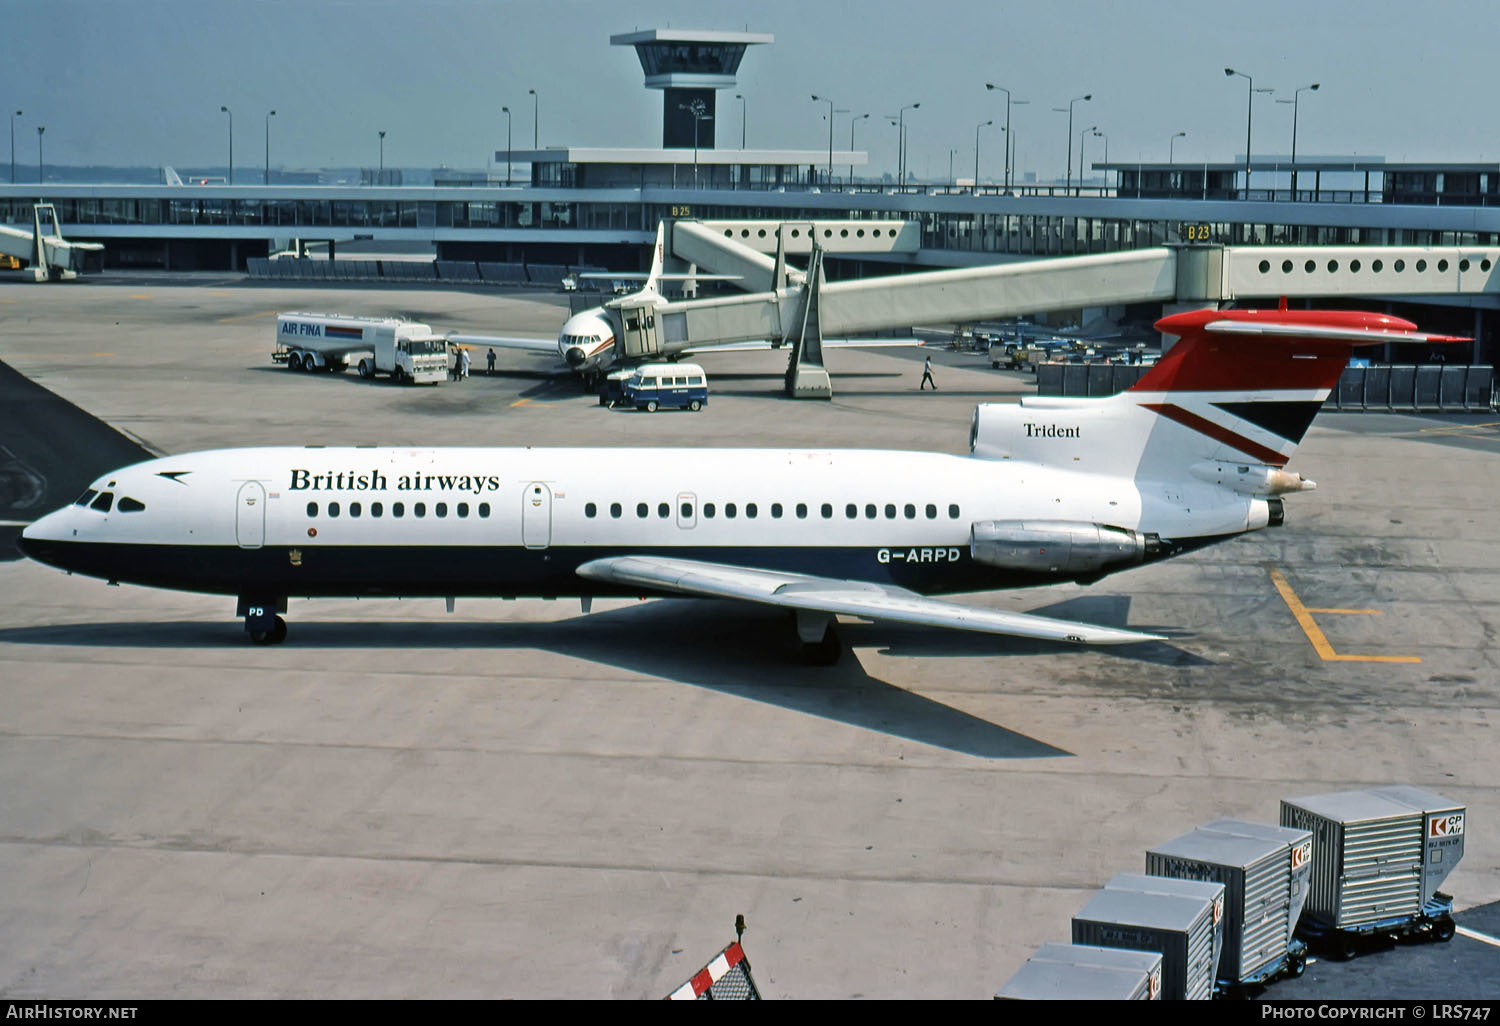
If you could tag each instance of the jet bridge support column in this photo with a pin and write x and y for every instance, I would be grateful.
(1200, 282)
(806, 377)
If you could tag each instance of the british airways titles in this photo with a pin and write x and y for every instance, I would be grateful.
(375, 481)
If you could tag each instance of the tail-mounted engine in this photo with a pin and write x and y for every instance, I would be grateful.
(1059, 547)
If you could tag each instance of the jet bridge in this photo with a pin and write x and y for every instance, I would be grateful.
(1187, 275)
(49, 254)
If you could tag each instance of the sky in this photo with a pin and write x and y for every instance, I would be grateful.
(141, 83)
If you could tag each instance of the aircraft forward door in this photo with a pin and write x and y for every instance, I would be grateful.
(250, 516)
(536, 516)
(687, 510)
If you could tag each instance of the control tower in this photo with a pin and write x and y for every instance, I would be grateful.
(690, 65)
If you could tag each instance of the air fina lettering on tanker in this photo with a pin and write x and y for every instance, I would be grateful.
(375, 481)
(1035, 430)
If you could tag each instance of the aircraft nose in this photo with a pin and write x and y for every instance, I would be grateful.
(39, 541)
(575, 357)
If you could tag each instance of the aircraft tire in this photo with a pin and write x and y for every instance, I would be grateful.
(651, 406)
(825, 652)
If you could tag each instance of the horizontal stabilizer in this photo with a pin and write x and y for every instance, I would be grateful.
(846, 598)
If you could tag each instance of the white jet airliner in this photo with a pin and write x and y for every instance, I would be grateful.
(588, 341)
(1053, 489)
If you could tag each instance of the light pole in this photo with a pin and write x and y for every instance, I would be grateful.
(1008, 136)
(506, 112)
(1249, 114)
(1083, 169)
(269, 116)
(13, 147)
(1101, 135)
(1068, 182)
(1172, 144)
(985, 124)
(535, 110)
(226, 110)
(39, 130)
(901, 118)
(952, 152)
(381, 173)
(1296, 95)
(854, 120)
(741, 98)
(824, 99)
(696, 109)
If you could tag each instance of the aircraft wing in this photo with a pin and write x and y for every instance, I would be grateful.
(848, 598)
(828, 343)
(535, 345)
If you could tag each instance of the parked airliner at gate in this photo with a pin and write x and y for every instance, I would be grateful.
(1052, 490)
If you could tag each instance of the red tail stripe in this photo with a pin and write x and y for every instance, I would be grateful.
(1218, 433)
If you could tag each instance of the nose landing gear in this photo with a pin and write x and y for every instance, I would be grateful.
(261, 621)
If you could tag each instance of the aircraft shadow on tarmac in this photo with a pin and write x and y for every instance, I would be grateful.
(722, 646)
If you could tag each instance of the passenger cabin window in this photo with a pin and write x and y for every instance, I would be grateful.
(420, 509)
(776, 510)
(484, 509)
(441, 509)
(751, 510)
(870, 511)
(708, 509)
(953, 511)
(890, 511)
(826, 510)
(615, 509)
(398, 509)
(377, 509)
(687, 511)
(641, 509)
(590, 509)
(851, 511)
(931, 511)
(129, 505)
(333, 509)
(103, 502)
(354, 509)
(463, 509)
(910, 511)
(731, 510)
(801, 511)
(664, 509)
(312, 509)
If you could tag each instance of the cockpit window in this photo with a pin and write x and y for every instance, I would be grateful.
(86, 498)
(103, 502)
(129, 505)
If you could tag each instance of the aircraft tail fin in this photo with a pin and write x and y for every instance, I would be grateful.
(658, 257)
(1239, 390)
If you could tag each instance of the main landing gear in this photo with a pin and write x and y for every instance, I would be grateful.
(819, 633)
(262, 623)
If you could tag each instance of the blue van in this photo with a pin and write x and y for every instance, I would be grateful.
(673, 385)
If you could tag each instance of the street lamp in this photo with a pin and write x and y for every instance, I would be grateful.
(1009, 151)
(506, 112)
(535, 108)
(269, 116)
(1172, 144)
(1105, 137)
(952, 152)
(697, 109)
(1083, 168)
(381, 173)
(901, 118)
(1249, 112)
(13, 147)
(853, 120)
(741, 98)
(1068, 182)
(1296, 95)
(226, 110)
(39, 130)
(824, 99)
(983, 124)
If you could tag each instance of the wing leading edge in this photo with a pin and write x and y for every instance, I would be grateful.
(848, 598)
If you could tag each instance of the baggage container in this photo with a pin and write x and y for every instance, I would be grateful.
(1379, 856)
(1264, 870)
(1182, 920)
(1079, 972)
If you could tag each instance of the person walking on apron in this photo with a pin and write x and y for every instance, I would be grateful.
(927, 376)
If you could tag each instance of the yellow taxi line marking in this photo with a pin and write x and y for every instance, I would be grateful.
(1346, 612)
(1483, 938)
(142, 295)
(246, 317)
(1458, 427)
(1315, 633)
(519, 402)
